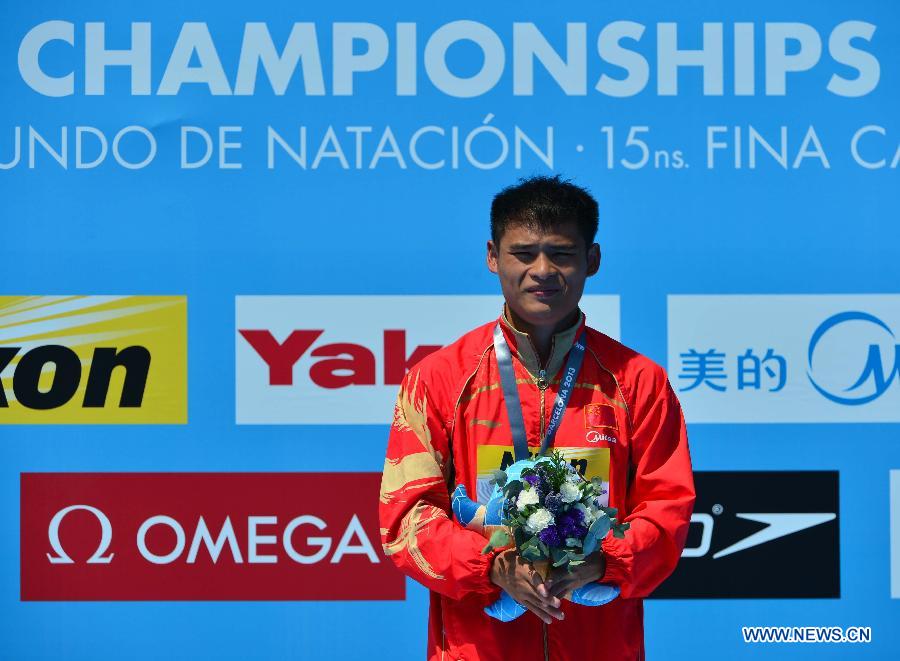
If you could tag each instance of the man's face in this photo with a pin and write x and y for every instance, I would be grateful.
(542, 274)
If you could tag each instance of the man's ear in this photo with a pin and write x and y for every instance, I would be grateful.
(492, 256)
(593, 259)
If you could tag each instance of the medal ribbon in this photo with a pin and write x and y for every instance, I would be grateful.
(511, 393)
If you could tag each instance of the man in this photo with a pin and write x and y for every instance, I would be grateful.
(453, 425)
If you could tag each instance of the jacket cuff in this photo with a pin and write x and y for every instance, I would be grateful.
(618, 561)
(488, 592)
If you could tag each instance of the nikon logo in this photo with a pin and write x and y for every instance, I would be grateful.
(93, 359)
(67, 376)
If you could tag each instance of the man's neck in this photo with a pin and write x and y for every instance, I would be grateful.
(541, 335)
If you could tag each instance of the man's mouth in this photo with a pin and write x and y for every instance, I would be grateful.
(543, 292)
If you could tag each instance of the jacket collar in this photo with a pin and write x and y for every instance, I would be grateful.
(523, 348)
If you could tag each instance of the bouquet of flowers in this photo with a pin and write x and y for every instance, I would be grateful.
(551, 514)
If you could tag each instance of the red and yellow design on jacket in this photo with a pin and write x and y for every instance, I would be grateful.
(623, 423)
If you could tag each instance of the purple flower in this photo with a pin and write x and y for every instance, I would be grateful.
(550, 536)
(532, 480)
(553, 503)
(571, 524)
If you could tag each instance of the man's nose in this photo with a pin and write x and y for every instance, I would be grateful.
(543, 267)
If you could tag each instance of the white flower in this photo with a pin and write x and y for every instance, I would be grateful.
(569, 492)
(588, 513)
(527, 497)
(539, 520)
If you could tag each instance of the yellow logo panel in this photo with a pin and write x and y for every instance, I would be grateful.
(590, 462)
(93, 359)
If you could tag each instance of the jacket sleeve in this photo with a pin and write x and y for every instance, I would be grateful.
(417, 529)
(660, 494)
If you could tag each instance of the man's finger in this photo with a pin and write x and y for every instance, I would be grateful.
(559, 587)
(542, 594)
(543, 611)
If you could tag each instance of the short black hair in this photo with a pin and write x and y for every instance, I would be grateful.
(542, 203)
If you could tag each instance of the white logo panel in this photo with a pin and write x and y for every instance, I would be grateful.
(786, 358)
(339, 359)
(895, 534)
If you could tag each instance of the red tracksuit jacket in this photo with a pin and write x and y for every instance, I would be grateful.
(623, 423)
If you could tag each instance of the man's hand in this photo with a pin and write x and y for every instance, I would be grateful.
(562, 580)
(519, 579)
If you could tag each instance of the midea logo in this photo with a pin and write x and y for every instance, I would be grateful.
(873, 370)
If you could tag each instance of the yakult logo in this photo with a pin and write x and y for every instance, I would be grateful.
(339, 359)
(202, 536)
(338, 364)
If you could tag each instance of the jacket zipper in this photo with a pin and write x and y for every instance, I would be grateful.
(542, 386)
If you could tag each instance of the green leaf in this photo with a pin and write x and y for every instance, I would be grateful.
(499, 538)
(619, 533)
(513, 488)
(600, 526)
(500, 478)
(531, 553)
(596, 532)
(559, 563)
(520, 536)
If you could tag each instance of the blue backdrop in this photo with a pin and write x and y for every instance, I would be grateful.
(211, 234)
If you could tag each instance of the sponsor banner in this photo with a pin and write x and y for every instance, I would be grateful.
(93, 359)
(895, 534)
(340, 359)
(590, 462)
(203, 536)
(791, 358)
(765, 534)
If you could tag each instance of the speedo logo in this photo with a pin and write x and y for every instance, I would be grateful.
(93, 359)
(776, 526)
(760, 535)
